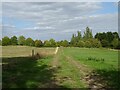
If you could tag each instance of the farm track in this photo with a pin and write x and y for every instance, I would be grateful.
(80, 69)
(85, 73)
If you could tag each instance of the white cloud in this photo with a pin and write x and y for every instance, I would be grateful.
(54, 18)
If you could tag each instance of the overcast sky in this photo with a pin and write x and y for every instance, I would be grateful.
(45, 20)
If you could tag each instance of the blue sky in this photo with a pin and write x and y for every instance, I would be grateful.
(57, 20)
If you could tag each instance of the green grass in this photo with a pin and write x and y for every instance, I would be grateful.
(27, 72)
(20, 70)
(68, 75)
(82, 54)
(108, 70)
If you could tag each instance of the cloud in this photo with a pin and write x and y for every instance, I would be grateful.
(59, 1)
(56, 19)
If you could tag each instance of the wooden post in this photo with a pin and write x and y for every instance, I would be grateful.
(32, 52)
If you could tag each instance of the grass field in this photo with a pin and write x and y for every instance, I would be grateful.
(69, 68)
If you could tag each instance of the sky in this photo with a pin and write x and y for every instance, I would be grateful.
(58, 20)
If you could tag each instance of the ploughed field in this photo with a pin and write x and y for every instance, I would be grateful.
(68, 68)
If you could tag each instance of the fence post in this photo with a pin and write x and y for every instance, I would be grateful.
(32, 52)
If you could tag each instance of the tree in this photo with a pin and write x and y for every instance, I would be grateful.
(38, 43)
(46, 43)
(78, 37)
(88, 44)
(0, 42)
(74, 40)
(29, 42)
(81, 44)
(14, 40)
(104, 43)
(95, 43)
(109, 37)
(58, 44)
(100, 36)
(6, 41)
(52, 43)
(65, 43)
(21, 40)
(115, 34)
(115, 43)
(88, 33)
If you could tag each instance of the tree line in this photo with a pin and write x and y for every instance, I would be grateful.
(108, 39)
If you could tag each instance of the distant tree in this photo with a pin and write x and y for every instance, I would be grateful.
(88, 44)
(78, 37)
(0, 42)
(65, 43)
(14, 40)
(74, 40)
(52, 43)
(58, 44)
(6, 41)
(46, 43)
(81, 43)
(116, 35)
(88, 33)
(115, 43)
(38, 43)
(21, 40)
(105, 43)
(101, 36)
(29, 42)
(95, 43)
(109, 37)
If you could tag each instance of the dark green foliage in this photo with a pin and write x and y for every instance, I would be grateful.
(108, 39)
(105, 43)
(6, 41)
(52, 43)
(14, 40)
(38, 43)
(88, 44)
(115, 34)
(65, 43)
(75, 39)
(100, 36)
(46, 43)
(0, 42)
(95, 43)
(96, 59)
(21, 40)
(81, 44)
(88, 33)
(115, 43)
(29, 42)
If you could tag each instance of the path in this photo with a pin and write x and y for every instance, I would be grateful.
(56, 50)
(63, 62)
(79, 69)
